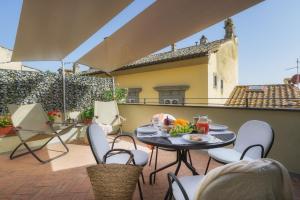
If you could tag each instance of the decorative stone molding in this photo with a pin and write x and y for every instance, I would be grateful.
(133, 95)
(172, 94)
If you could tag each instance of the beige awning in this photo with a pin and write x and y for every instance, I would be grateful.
(51, 29)
(161, 24)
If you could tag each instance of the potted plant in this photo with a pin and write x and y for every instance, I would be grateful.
(6, 127)
(87, 115)
(54, 116)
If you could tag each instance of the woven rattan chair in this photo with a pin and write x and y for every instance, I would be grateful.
(107, 113)
(31, 124)
(114, 181)
(104, 154)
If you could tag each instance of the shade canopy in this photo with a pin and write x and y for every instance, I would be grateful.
(51, 29)
(161, 24)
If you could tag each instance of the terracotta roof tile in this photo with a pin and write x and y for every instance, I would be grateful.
(265, 96)
(178, 54)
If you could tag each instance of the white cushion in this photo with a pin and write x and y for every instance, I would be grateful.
(254, 132)
(140, 158)
(226, 155)
(190, 185)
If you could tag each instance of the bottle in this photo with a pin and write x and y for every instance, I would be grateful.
(202, 125)
(167, 121)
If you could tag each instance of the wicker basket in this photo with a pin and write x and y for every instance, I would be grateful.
(114, 181)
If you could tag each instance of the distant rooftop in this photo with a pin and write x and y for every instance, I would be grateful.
(265, 96)
(199, 50)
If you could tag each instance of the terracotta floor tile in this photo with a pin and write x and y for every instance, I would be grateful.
(66, 178)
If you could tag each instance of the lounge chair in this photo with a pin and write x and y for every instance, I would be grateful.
(258, 180)
(254, 141)
(104, 154)
(31, 124)
(107, 113)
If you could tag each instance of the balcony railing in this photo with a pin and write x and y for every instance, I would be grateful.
(286, 103)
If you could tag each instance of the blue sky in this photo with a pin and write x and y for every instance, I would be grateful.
(268, 34)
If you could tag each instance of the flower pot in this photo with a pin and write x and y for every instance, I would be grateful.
(87, 121)
(6, 131)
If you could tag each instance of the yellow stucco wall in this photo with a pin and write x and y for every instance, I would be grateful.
(285, 124)
(191, 72)
(223, 63)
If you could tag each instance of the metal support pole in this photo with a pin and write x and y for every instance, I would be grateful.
(64, 90)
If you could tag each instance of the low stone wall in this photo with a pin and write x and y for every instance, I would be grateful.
(20, 87)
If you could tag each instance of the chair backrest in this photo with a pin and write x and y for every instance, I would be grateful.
(254, 132)
(30, 117)
(265, 181)
(98, 142)
(107, 113)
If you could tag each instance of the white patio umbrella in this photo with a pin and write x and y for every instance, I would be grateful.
(51, 29)
(161, 24)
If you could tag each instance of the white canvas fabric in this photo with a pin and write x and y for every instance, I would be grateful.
(107, 112)
(30, 117)
(254, 180)
(159, 25)
(50, 30)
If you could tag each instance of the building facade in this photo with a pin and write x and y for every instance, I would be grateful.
(5, 64)
(201, 74)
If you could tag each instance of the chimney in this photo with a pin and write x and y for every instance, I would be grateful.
(76, 68)
(229, 29)
(203, 40)
(173, 47)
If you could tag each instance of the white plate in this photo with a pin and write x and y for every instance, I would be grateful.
(205, 138)
(147, 130)
(217, 127)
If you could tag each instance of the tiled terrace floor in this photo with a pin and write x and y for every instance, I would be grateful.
(66, 177)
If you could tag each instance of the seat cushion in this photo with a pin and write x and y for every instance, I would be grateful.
(140, 158)
(190, 185)
(226, 155)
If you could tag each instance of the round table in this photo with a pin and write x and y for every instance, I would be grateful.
(182, 149)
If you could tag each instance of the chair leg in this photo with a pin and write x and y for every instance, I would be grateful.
(142, 174)
(168, 195)
(140, 190)
(207, 165)
(150, 160)
(155, 164)
(29, 150)
(190, 157)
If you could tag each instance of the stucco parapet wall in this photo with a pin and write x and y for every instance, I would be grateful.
(175, 87)
(216, 107)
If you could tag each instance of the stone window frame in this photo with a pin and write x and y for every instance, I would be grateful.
(172, 91)
(135, 98)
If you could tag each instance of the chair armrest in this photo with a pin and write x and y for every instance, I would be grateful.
(119, 151)
(113, 143)
(252, 146)
(172, 178)
(65, 130)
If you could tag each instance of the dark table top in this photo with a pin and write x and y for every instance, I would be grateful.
(226, 139)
